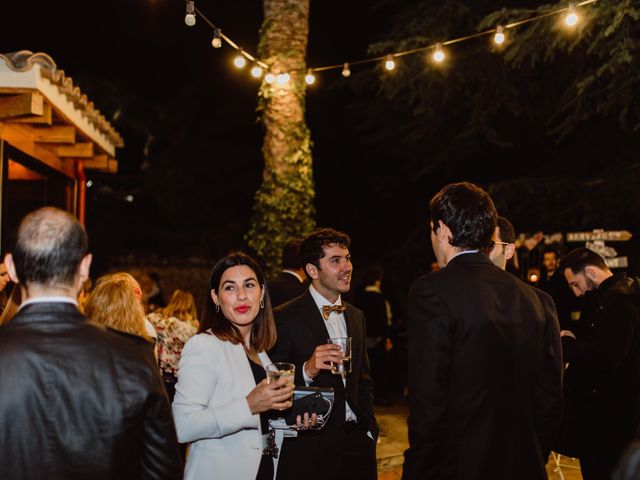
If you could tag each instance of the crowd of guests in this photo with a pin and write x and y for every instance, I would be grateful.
(92, 386)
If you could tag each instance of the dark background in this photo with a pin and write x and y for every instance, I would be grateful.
(192, 158)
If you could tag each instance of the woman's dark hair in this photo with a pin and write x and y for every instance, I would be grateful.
(312, 247)
(469, 213)
(263, 331)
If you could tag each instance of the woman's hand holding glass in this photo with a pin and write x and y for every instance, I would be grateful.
(270, 396)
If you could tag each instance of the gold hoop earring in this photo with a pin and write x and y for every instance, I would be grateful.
(262, 302)
(217, 308)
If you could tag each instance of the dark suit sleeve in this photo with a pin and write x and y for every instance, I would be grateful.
(283, 349)
(430, 358)
(365, 388)
(160, 458)
(549, 383)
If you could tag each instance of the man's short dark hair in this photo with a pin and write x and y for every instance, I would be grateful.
(312, 247)
(469, 213)
(550, 250)
(50, 245)
(291, 255)
(507, 232)
(580, 258)
(374, 273)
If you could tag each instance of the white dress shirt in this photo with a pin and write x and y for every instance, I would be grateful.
(336, 327)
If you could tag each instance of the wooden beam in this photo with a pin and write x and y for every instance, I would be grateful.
(46, 117)
(98, 162)
(55, 134)
(79, 150)
(113, 166)
(31, 103)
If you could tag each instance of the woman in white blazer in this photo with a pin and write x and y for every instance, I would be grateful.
(218, 401)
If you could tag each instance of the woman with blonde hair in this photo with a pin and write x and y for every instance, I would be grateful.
(174, 325)
(116, 303)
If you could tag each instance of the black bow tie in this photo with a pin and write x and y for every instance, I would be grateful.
(327, 309)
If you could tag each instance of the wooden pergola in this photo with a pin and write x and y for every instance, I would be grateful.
(49, 132)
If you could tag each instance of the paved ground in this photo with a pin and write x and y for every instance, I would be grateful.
(393, 442)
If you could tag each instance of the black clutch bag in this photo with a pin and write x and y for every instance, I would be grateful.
(318, 400)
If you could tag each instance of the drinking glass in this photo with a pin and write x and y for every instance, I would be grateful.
(344, 367)
(278, 370)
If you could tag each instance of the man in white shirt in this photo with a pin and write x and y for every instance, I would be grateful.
(304, 326)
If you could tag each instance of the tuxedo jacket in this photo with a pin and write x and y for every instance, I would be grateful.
(485, 372)
(285, 287)
(300, 329)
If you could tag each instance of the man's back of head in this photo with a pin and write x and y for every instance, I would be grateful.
(291, 255)
(50, 246)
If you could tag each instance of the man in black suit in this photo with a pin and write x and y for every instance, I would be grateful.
(78, 401)
(477, 355)
(602, 387)
(290, 282)
(345, 447)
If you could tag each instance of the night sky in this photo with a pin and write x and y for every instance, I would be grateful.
(192, 158)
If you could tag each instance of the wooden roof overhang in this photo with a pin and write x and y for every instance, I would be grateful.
(44, 115)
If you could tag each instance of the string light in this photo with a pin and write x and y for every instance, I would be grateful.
(389, 63)
(217, 41)
(239, 61)
(190, 16)
(310, 78)
(572, 17)
(283, 78)
(256, 71)
(499, 37)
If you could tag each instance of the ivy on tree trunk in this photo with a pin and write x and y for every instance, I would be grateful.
(283, 206)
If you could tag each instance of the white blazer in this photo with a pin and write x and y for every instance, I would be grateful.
(211, 411)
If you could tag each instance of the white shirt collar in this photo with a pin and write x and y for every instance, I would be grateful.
(464, 252)
(320, 300)
(49, 299)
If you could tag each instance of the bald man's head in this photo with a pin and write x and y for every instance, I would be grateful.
(49, 248)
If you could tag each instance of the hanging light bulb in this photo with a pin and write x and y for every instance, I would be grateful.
(310, 78)
(499, 37)
(256, 71)
(438, 55)
(283, 78)
(217, 39)
(572, 17)
(239, 61)
(269, 78)
(345, 70)
(190, 17)
(389, 63)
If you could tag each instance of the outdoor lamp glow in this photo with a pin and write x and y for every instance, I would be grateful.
(256, 71)
(438, 55)
(389, 63)
(345, 70)
(269, 78)
(190, 17)
(571, 18)
(239, 61)
(499, 37)
(283, 78)
(310, 78)
(217, 39)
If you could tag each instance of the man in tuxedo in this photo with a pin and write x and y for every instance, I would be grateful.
(290, 282)
(78, 401)
(504, 240)
(345, 447)
(477, 355)
(602, 388)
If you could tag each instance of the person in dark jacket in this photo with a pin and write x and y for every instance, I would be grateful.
(602, 381)
(477, 355)
(291, 281)
(78, 401)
